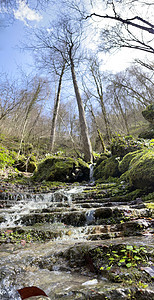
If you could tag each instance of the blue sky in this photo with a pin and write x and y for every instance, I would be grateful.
(10, 54)
(11, 57)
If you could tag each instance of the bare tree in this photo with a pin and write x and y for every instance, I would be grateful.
(87, 149)
(124, 23)
(31, 99)
(129, 92)
(8, 97)
(63, 41)
(97, 77)
(55, 111)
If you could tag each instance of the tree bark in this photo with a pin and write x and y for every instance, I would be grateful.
(98, 130)
(87, 148)
(99, 87)
(55, 112)
(30, 106)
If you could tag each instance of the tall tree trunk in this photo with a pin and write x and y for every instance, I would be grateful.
(87, 148)
(55, 112)
(98, 130)
(99, 87)
(107, 125)
(122, 113)
(30, 106)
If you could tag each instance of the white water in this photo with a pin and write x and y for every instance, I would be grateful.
(91, 176)
(31, 203)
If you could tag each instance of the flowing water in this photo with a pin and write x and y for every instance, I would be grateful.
(68, 216)
(24, 204)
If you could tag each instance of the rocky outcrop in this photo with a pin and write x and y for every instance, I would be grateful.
(148, 114)
(138, 168)
(62, 169)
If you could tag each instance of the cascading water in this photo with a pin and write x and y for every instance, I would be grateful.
(74, 221)
(33, 203)
(18, 206)
(91, 175)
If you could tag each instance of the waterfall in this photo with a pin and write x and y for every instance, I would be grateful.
(91, 173)
(21, 205)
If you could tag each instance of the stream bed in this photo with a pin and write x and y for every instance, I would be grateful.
(59, 241)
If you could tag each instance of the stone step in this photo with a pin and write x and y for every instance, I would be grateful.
(97, 232)
(98, 216)
(107, 204)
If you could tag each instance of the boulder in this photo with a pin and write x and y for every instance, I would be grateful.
(62, 169)
(107, 168)
(120, 145)
(124, 163)
(148, 114)
(138, 168)
(141, 170)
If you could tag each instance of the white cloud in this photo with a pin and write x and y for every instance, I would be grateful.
(24, 13)
(49, 30)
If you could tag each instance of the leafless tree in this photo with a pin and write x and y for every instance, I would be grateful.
(63, 40)
(124, 23)
(8, 97)
(128, 92)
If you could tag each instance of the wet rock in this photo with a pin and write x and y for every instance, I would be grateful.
(2, 219)
(142, 294)
(149, 270)
(74, 218)
(90, 282)
(32, 219)
(103, 213)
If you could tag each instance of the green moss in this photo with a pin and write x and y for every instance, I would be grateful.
(24, 164)
(124, 164)
(107, 168)
(101, 158)
(82, 163)
(150, 205)
(149, 197)
(7, 157)
(141, 170)
(148, 113)
(120, 146)
(148, 133)
(55, 169)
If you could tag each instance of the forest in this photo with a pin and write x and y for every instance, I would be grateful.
(76, 149)
(70, 103)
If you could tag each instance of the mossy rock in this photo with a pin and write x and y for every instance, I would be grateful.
(62, 169)
(124, 163)
(141, 170)
(24, 165)
(120, 146)
(148, 133)
(102, 157)
(107, 168)
(148, 113)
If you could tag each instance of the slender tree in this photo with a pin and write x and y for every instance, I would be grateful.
(62, 42)
(125, 23)
(87, 149)
(55, 111)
